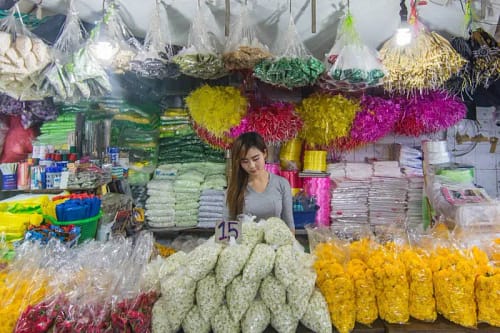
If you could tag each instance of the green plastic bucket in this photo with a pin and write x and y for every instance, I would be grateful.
(88, 227)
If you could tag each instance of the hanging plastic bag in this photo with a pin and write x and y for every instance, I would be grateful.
(243, 49)
(351, 65)
(200, 58)
(22, 57)
(294, 67)
(154, 59)
(74, 74)
(113, 45)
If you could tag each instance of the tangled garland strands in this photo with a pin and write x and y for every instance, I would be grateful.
(210, 139)
(216, 109)
(326, 118)
(428, 113)
(423, 65)
(276, 122)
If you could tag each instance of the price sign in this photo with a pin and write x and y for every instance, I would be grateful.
(224, 230)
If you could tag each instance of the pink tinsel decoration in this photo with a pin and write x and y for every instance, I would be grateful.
(276, 122)
(320, 188)
(375, 120)
(429, 113)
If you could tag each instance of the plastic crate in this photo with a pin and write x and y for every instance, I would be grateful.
(300, 219)
(88, 227)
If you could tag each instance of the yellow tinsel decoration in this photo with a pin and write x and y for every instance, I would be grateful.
(391, 284)
(217, 109)
(326, 118)
(454, 275)
(17, 291)
(336, 286)
(422, 304)
(364, 289)
(488, 296)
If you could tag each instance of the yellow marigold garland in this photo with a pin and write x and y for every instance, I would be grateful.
(488, 296)
(17, 291)
(391, 284)
(454, 275)
(326, 118)
(336, 286)
(422, 304)
(217, 109)
(364, 289)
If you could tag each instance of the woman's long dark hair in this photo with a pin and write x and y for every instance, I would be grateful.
(238, 178)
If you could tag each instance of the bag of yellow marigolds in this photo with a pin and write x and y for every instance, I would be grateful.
(454, 273)
(391, 283)
(422, 304)
(336, 284)
(488, 296)
(364, 281)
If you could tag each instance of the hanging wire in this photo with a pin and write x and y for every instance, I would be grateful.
(290, 7)
(227, 20)
(313, 16)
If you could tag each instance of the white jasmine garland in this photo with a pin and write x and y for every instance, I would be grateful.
(257, 318)
(277, 233)
(299, 292)
(223, 323)
(231, 262)
(283, 320)
(209, 296)
(272, 293)
(195, 323)
(317, 316)
(239, 295)
(260, 264)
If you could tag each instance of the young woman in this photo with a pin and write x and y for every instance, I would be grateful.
(251, 189)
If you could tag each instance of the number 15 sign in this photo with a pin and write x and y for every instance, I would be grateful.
(224, 230)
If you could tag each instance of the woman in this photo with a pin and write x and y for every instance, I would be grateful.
(251, 189)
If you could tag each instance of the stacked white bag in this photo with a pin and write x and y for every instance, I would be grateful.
(160, 205)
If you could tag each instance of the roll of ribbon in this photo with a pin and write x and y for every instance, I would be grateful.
(320, 187)
(23, 176)
(315, 160)
(290, 155)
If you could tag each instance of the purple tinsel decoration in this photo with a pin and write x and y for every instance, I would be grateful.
(31, 112)
(375, 120)
(429, 113)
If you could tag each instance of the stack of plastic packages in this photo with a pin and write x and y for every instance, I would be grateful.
(56, 132)
(212, 198)
(349, 201)
(160, 205)
(179, 142)
(410, 160)
(387, 201)
(187, 188)
(386, 169)
(134, 129)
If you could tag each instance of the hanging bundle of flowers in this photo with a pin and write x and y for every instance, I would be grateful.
(429, 113)
(216, 110)
(276, 122)
(375, 120)
(326, 118)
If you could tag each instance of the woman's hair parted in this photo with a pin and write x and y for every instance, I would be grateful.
(238, 179)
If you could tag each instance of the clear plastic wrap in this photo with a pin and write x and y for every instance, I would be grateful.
(351, 65)
(391, 283)
(200, 59)
(454, 275)
(243, 49)
(153, 60)
(299, 292)
(195, 322)
(364, 289)
(223, 323)
(257, 317)
(272, 292)
(231, 262)
(209, 296)
(112, 43)
(202, 260)
(179, 293)
(22, 57)
(293, 67)
(260, 264)
(286, 268)
(317, 317)
(277, 233)
(488, 301)
(283, 320)
(239, 295)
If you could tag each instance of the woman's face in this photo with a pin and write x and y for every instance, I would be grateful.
(254, 161)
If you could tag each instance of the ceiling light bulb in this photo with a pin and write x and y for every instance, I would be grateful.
(403, 36)
(104, 50)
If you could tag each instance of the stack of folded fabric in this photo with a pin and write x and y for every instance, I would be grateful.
(387, 201)
(160, 205)
(358, 170)
(386, 169)
(211, 208)
(349, 201)
(415, 202)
